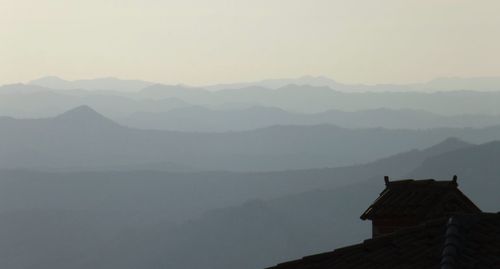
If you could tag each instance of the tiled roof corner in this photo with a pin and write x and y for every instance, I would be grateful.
(416, 198)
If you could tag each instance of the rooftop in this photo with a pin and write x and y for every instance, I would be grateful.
(457, 241)
(419, 199)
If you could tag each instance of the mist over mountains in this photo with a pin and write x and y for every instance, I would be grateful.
(202, 119)
(310, 99)
(82, 139)
(437, 84)
(148, 134)
(111, 173)
(292, 224)
(147, 105)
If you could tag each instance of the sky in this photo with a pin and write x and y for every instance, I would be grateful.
(201, 42)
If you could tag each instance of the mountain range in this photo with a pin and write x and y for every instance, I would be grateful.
(292, 226)
(115, 231)
(198, 190)
(82, 139)
(438, 84)
(202, 119)
(21, 100)
(313, 99)
(241, 175)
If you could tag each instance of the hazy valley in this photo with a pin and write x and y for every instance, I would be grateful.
(143, 175)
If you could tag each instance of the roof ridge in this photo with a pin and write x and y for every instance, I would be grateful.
(425, 182)
(452, 244)
(462, 240)
(424, 190)
(455, 238)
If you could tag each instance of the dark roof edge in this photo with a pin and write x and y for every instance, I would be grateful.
(389, 236)
(396, 183)
(454, 240)
(452, 244)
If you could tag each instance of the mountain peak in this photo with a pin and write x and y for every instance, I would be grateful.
(449, 144)
(83, 113)
(47, 79)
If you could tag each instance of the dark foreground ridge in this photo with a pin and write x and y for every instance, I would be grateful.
(466, 238)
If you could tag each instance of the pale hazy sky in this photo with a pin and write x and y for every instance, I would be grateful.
(210, 41)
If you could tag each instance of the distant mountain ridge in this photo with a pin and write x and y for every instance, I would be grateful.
(241, 176)
(202, 119)
(286, 227)
(491, 83)
(82, 139)
(236, 187)
(83, 114)
(438, 84)
(35, 100)
(316, 99)
(301, 224)
(28, 101)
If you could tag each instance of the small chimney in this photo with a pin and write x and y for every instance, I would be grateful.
(386, 180)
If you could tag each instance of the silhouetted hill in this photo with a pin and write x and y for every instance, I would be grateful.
(84, 140)
(161, 91)
(85, 115)
(202, 119)
(447, 145)
(213, 189)
(317, 81)
(25, 101)
(438, 84)
(125, 219)
(296, 98)
(312, 222)
(315, 99)
(477, 167)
